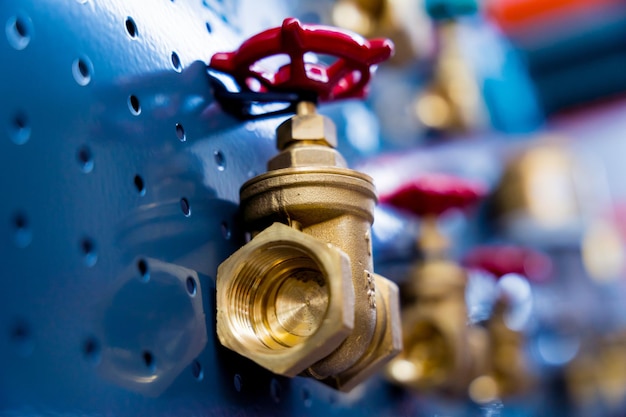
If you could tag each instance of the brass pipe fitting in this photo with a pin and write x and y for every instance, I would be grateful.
(301, 297)
(441, 351)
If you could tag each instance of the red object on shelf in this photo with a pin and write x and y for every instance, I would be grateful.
(517, 14)
(347, 77)
(502, 260)
(434, 194)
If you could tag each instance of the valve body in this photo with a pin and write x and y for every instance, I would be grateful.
(315, 306)
(441, 351)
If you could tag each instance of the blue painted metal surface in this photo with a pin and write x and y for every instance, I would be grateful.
(119, 179)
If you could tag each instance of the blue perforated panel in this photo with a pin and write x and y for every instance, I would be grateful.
(119, 181)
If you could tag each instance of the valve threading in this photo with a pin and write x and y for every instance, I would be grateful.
(279, 298)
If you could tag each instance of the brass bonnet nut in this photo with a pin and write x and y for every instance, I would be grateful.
(285, 300)
(306, 126)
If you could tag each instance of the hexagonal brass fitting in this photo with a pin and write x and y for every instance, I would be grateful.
(307, 156)
(303, 298)
(285, 300)
(386, 344)
(307, 127)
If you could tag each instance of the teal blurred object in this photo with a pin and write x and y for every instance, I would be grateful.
(506, 85)
(440, 10)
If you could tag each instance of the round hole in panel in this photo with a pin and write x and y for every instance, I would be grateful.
(92, 350)
(180, 132)
(20, 336)
(185, 207)
(144, 272)
(226, 234)
(20, 130)
(88, 250)
(140, 186)
(306, 397)
(148, 360)
(131, 27)
(220, 160)
(19, 32)
(133, 105)
(237, 382)
(176, 64)
(275, 390)
(197, 371)
(85, 159)
(82, 69)
(192, 288)
(22, 232)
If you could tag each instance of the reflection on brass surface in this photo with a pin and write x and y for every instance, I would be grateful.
(301, 297)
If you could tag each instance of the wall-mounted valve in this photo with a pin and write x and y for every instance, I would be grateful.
(441, 351)
(301, 297)
(439, 348)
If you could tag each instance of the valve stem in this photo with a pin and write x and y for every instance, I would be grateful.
(305, 108)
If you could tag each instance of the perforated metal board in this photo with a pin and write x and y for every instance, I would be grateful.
(119, 181)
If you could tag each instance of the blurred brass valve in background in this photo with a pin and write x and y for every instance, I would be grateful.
(403, 21)
(302, 297)
(551, 196)
(442, 352)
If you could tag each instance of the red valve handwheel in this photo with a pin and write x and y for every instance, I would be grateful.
(347, 77)
(434, 194)
(507, 259)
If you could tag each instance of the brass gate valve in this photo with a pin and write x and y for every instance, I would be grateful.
(440, 351)
(301, 297)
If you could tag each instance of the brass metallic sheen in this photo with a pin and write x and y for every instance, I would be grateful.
(301, 297)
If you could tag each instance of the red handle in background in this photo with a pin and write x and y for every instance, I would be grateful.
(506, 259)
(434, 194)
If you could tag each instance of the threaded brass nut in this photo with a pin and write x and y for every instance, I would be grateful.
(307, 156)
(309, 127)
(285, 300)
